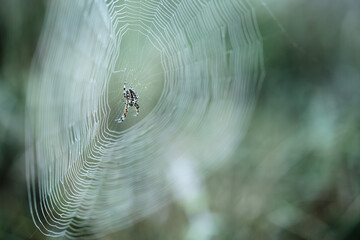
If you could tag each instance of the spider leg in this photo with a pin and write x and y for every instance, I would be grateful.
(126, 109)
(125, 112)
(124, 90)
(137, 109)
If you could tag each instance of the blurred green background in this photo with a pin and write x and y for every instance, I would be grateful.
(296, 173)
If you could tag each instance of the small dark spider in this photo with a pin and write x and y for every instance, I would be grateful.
(131, 100)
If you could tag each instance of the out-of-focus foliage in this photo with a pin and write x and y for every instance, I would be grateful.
(20, 25)
(295, 175)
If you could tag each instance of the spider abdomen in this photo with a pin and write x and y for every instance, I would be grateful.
(131, 96)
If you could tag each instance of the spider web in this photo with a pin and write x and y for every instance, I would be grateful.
(197, 67)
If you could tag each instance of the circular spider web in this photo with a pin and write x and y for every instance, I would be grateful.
(197, 68)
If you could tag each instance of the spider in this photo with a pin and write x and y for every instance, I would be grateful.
(131, 100)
